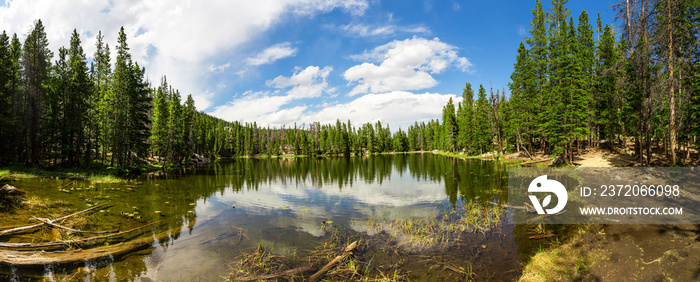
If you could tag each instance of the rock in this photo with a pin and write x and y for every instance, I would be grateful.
(8, 189)
(201, 159)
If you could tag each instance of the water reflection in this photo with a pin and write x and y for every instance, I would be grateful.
(211, 214)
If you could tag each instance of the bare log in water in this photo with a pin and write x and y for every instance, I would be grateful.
(349, 250)
(68, 242)
(30, 227)
(42, 259)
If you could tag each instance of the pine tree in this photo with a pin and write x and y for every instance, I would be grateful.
(608, 123)
(553, 101)
(138, 120)
(36, 63)
(465, 118)
(579, 83)
(159, 121)
(691, 14)
(538, 65)
(483, 138)
(189, 111)
(585, 56)
(449, 124)
(6, 78)
(523, 116)
(175, 128)
(16, 98)
(102, 72)
(128, 105)
(78, 100)
(54, 134)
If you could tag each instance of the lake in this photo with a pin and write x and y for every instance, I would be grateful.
(210, 216)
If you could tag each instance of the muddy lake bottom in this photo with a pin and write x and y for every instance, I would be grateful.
(417, 217)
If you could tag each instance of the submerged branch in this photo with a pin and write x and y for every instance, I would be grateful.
(50, 222)
(69, 242)
(30, 227)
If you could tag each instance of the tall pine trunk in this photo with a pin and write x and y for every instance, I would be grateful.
(671, 96)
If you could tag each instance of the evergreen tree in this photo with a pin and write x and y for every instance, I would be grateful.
(523, 116)
(16, 101)
(189, 111)
(159, 121)
(6, 79)
(483, 138)
(465, 118)
(607, 104)
(102, 72)
(449, 124)
(79, 94)
(538, 65)
(36, 63)
(54, 135)
(584, 49)
(138, 121)
(175, 128)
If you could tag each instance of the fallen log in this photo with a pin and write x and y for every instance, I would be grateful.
(291, 272)
(349, 250)
(30, 227)
(42, 259)
(69, 242)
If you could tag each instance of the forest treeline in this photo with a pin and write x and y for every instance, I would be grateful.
(573, 86)
(70, 113)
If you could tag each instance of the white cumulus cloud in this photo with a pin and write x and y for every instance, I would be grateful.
(403, 65)
(307, 83)
(272, 53)
(269, 108)
(262, 107)
(178, 38)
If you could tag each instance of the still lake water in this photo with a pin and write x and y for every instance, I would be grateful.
(213, 214)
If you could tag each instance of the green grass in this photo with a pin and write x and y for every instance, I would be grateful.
(564, 261)
(96, 173)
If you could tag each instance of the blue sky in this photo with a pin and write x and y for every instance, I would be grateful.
(281, 61)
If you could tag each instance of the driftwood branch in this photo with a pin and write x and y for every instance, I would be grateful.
(50, 222)
(68, 242)
(349, 250)
(291, 272)
(30, 227)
